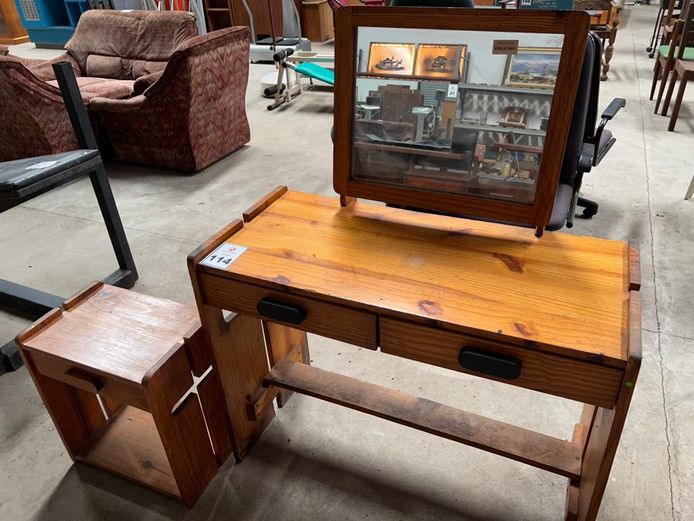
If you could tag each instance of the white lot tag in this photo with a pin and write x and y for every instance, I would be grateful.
(42, 164)
(452, 90)
(223, 256)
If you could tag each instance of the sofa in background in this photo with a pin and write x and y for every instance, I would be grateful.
(194, 114)
(157, 93)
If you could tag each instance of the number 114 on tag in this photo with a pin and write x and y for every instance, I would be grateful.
(223, 256)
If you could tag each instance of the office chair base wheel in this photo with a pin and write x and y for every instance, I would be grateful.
(588, 213)
(651, 55)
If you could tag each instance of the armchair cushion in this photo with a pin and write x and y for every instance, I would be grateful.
(121, 68)
(127, 45)
(102, 87)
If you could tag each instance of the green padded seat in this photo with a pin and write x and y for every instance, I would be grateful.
(316, 71)
(688, 52)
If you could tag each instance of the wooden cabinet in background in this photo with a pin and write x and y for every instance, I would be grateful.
(11, 30)
(226, 13)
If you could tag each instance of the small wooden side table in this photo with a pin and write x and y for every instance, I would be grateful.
(558, 314)
(115, 370)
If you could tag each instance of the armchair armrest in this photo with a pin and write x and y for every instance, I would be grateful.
(202, 45)
(117, 105)
(43, 69)
(145, 82)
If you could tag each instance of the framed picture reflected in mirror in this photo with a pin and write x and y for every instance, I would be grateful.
(391, 59)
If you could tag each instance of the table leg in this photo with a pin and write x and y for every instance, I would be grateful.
(241, 363)
(281, 341)
(604, 428)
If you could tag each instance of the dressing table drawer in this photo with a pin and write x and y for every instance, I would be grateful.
(315, 316)
(525, 367)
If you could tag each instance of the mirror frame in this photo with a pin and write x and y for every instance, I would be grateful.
(574, 25)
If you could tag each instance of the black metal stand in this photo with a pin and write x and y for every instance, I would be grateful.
(656, 33)
(32, 303)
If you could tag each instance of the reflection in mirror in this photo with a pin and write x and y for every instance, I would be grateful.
(464, 112)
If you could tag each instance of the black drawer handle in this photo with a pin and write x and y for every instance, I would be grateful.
(493, 364)
(288, 313)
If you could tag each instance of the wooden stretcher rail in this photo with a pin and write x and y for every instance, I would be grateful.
(545, 452)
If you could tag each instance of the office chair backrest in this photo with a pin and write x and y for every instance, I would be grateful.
(432, 3)
(585, 112)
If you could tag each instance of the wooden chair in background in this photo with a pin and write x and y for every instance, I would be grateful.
(604, 21)
(683, 66)
(665, 61)
(668, 22)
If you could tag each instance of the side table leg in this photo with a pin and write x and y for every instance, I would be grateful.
(240, 361)
(281, 341)
(181, 426)
(75, 413)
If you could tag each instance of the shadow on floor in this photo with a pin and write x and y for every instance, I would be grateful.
(273, 483)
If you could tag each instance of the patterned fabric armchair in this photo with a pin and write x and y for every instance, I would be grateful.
(109, 52)
(190, 115)
(34, 121)
(189, 104)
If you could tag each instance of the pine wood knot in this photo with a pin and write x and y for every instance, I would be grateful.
(281, 279)
(522, 329)
(429, 307)
(414, 261)
(464, 232)
(511, 263)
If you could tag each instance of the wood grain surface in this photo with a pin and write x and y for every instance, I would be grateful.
(544, 372)
(561, 293)
(115, 332)
(539, 450)
(129, 445)
(349, 325)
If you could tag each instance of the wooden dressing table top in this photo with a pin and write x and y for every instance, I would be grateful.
(560, 293)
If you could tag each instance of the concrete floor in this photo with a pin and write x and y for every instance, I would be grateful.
(319, 461)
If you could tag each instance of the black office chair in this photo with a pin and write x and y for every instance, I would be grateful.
(586, 145)
(23, 179)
